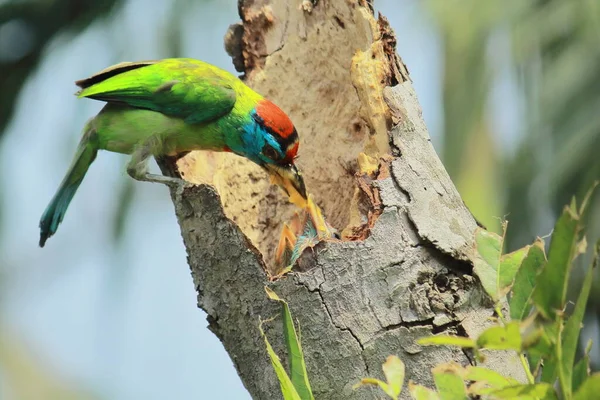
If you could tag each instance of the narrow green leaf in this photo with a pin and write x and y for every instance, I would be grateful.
(570, 333)
(588, 196)
(376, 382)
(573, 205)
(449, 383)
(538, 391)
(535, 363)
(549, 294)
(520, 300)
(447, 340)
(549, 370)
(507, 337)
(491, 378)
(589, 389)
(549, 354)
(393, 369)
(582, 369)
(298, 372)
(419, 392)
(272, 295)
(542, 348)
(287, 387)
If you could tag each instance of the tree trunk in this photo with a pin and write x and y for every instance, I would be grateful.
(405, 268)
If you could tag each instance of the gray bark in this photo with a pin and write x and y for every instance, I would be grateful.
(355, 302)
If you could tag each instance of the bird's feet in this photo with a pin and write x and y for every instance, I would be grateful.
(142, 175)
(171, 182)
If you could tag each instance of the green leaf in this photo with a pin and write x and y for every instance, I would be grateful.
(491, 378)
(376, 382)
(570, 333)
(589, 389)
(393, 369)
(549, 369)
(535, 363)
(550, 360)
(287, 387)
(296, 357)
(449, 383)
(588, 196)
(507, 337)
(520, 301)
(531, 332)
(419, 392)
(535, 343)
(582, 369)
(550, 292)
(538, 391)
(489, 249)
(496, 271)
(544, 346)
(509, 265)
(447, 340)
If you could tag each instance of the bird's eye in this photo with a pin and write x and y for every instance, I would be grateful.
(270, 153)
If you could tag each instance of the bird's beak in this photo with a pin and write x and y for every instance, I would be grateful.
(289, 178)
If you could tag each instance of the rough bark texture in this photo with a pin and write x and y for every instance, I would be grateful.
(327, 69)
(357, 301)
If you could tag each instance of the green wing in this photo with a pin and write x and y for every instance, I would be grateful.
(189, 89)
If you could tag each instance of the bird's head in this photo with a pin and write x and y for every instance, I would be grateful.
(271, 141)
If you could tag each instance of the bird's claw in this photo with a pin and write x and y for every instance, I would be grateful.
(173, 183)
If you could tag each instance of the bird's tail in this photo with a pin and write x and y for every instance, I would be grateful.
(55, 211)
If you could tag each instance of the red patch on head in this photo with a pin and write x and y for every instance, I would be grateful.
(291, 153)
(274, 119)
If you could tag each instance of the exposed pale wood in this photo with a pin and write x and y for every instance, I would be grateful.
(358, 302)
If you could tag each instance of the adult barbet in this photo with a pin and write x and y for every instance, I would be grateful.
(170, 107)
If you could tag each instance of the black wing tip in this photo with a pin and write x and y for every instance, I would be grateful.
(110, 72)
(46, 232)
(43, 237)
(82, 84)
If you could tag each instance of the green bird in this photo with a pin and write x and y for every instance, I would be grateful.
(170, 107)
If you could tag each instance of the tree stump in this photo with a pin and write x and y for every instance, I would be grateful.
(405, 268)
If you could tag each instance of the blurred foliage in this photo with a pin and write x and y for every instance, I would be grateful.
(553, 54)
(556, 50)
(26, 28)
(556, 57)
(25, 377)
(468, 152)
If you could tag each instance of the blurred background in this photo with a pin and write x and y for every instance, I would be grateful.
(510, 91)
